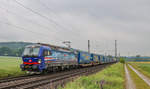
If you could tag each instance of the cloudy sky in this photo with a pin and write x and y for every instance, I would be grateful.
(101, 21)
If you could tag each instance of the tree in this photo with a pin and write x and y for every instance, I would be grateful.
(110, 56)
(122, 60)
(5, 51)
(138, 55)
(20, 51)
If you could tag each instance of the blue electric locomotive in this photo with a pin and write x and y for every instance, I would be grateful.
(41, 57)
(44, 57)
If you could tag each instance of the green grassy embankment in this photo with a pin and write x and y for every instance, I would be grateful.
(10, 67)
(139, 83)
(143, 67)
(112, 77)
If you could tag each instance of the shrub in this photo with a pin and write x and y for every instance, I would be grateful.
(122, 60)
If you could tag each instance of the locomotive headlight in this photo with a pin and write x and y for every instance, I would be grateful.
(39, 61)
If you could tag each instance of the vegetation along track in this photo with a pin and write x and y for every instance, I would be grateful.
(41, 81)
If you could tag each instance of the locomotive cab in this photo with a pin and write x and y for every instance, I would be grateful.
(33, 58)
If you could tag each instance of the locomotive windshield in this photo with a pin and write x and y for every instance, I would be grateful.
(31, 51)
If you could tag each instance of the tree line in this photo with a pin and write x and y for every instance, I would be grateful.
(6, 51)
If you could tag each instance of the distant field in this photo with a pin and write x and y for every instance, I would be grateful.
(143, 67)
(9, 66)
(112, 77)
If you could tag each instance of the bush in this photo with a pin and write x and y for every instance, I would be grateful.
(122, 60)
(110, 78)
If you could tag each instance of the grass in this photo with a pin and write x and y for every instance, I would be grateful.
(110, 78)
(139, 83)
(143, 67)
(10, 67)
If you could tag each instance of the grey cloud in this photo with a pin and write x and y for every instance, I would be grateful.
(101, 21)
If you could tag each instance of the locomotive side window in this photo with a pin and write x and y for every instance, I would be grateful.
(46, 53)
(49, 53)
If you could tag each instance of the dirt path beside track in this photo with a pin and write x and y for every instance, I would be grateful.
(129, 82)
(146, 79)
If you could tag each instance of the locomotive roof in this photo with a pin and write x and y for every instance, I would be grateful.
(54, 47)
(33, 45)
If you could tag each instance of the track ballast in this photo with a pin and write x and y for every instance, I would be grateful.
(49, 81)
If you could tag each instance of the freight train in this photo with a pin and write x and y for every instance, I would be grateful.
(44, 58)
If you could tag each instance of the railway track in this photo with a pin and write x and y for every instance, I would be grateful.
(9, 79)
(16, 78)
(51, 80)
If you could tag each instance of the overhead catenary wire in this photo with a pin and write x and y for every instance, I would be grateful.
(35, 12)
(24, 29)
(46, 18)
(49, 9)
(30, 21)
(43, 16)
